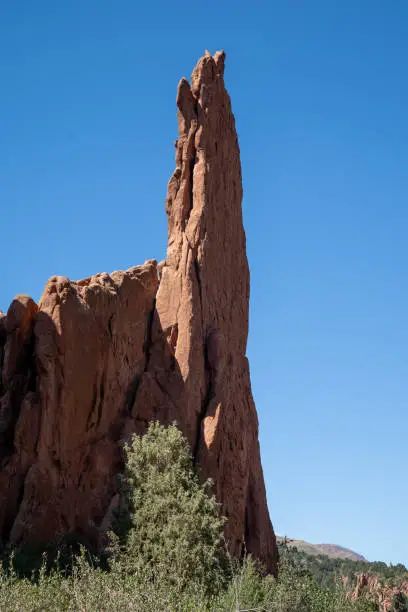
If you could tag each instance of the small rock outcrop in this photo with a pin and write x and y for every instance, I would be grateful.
(378, 590)
(99, 358)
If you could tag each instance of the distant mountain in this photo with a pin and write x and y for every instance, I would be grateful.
(331, 550)
(331, 565)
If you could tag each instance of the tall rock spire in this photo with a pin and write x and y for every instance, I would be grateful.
(202, 308)
(100, 358)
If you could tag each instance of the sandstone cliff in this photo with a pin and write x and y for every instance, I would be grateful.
(99, 358)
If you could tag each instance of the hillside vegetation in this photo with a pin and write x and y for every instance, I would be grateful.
(167, 552)
(328, 570)
(378, 581)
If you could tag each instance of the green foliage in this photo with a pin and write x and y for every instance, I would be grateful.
(248, 588)
(167, 553)
(92, 589)
(30, 559)
(168, 516)
(297, 589)
(329, 571)
(399, 603)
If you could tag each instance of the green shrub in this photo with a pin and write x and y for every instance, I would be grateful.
(248, 588)
(168, 527)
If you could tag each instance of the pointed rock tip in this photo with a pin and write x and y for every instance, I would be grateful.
(219, 59)
(184, 97)
(208, 68)
(217, 54)
(185, 91)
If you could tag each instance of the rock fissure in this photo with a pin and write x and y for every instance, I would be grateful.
(209, 395)
(147, 347)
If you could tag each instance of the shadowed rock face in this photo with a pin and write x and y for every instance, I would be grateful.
(98, 359)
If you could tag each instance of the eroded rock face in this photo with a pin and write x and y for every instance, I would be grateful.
(100, 358)
(84, 350)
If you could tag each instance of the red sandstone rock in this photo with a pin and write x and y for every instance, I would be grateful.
(104, 356)
(378, 590)
(89, 355)
(202, 310)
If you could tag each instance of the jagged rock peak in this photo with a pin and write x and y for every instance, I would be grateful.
(202, 308)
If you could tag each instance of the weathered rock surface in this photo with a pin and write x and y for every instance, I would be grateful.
(71, 369)
(100, 358)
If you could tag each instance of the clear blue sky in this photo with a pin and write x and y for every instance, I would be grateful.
(320, 94)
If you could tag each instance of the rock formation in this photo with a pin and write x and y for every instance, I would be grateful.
(99, 358)
(378, 590)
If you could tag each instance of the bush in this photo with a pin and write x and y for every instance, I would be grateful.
(168, 526)
(248, 588)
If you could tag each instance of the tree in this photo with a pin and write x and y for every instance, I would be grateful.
(168, 526)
